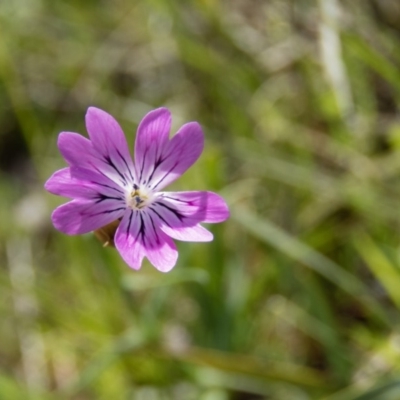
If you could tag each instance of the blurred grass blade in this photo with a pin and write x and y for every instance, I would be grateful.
(331, 55)
(152, 280)
(16, 90)
(388, 391)
(375, 60)
(129, 341)
(13, 390)
(256, 367)
(301, 319)
(387, 273)
(31, 341)
(299, 251)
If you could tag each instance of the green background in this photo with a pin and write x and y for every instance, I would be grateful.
(298, 296)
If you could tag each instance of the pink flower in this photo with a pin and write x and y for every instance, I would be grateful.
(105, 186)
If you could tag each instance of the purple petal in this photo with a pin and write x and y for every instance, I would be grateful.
(176, 225)
(109, 140)
(138, 236)
(83, 216)
(76, 182)
(196, 233)
(194, 207)
(127, 239)
(151, 141)
(78, 151)
(159, 161)
(182, 152)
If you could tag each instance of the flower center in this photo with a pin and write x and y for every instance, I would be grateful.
(139, 198)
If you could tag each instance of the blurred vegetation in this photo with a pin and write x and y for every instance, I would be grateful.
(298, 296)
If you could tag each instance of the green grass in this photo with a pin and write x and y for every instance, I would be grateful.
(298, 296)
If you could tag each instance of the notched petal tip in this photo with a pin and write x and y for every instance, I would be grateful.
(166, 268)
(165, 257)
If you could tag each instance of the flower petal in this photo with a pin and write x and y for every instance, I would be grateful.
(176, 225)
(195, 207)
(76, 182)
(127, 239)
(110, 142)
(78, 151)
(83, 216)
(158, 161)
(151, 141)
(195, 233)
(138, 236)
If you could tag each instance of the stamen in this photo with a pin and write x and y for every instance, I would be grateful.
(139, 198)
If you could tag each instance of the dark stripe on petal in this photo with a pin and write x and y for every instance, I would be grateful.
(156, 165)
(108, 211)
(102, 173)
(180, 200)
(142, 230)
(111, 164)
(129, 224)
(126, 164)
(155, 230)
(101, 197)
(177, 213)
(166, 174)
(142, 167)
(159, 216)
(107, 186)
